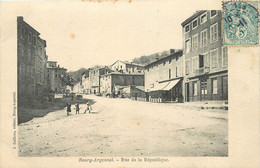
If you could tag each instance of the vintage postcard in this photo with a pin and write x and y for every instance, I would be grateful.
(107, 83)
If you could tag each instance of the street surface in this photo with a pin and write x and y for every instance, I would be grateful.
(122, 127)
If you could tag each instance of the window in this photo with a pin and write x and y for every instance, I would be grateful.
(195, 91)
(194, 64)
(213, 13)
(195, 24)
(32, 72)
(187, 28)
(30, 37)
(203, 18)
(194, 42)
(214, 33)
(224, 56)
(201, 61)
(176, 71)
(170, 60)
(34, 40)
(203, 38)
(187, 46)
(21, 70)
(163, 62)
(206, 59)
(22, 33)
(214, 86)
(214, 58)
(169, 73)
(187, 67)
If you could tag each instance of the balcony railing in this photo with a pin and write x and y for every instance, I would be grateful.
(202, 71)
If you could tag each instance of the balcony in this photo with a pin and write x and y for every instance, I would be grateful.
(202, 71)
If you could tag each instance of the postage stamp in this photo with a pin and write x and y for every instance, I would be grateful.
(240, 23)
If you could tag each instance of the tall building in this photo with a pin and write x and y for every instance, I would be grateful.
(56, 77)
(164, 78)
(31, 61)
(205, 57)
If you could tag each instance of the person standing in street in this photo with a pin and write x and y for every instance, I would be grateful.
(68, 109)
(77, 107)
(89, 108)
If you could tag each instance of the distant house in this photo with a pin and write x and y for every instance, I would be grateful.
(55, 73)
(126, 67)
(85, 82)
(94, 78)
(164, 77)
(77, 88)
(112, 83)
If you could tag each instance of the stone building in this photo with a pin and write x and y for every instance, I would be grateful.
(164, 77)
(112, 83)
(94, 78)
(85, 82)
(126, 67)
(56, 77)
(206, 59)
(31, 62)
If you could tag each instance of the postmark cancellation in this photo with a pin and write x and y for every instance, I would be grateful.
(240, 23)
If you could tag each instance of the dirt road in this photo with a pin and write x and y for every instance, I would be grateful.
(122, 127)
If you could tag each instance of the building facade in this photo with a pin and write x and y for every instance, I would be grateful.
(85, 82)
(94, 78)
(55, 77)
(126, 67)
(163, 78)
(31, 61)
(112, 83)
(205, 57)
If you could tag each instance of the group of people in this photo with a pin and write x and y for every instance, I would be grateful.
(89, 108)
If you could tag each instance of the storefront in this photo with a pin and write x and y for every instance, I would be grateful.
(207, 87)
(167, 91)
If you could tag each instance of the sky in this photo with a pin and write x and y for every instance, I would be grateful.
(83, 34)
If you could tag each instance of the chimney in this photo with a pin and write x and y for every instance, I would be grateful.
(172, 51)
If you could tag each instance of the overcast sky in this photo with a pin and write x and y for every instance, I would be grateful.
(83, 34)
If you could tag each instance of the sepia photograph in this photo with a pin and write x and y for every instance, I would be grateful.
(173, 102)
(107, 81)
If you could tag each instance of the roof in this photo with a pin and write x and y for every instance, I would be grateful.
(129, 63)
(164, 58)
(196, 14)
(124, 74)
(140, 88)
(165, 86)
(20, 18)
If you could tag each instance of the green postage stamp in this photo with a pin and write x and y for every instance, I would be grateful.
(240, 22)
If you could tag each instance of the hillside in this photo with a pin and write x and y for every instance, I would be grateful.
(147, 59)
(76, 75)
(143, 60)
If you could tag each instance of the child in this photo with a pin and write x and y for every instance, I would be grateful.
(89, 108)
(77, 107)
(68, 109)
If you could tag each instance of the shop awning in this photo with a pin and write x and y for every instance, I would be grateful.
(159, 86)
(171, 84)
(165, 85)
